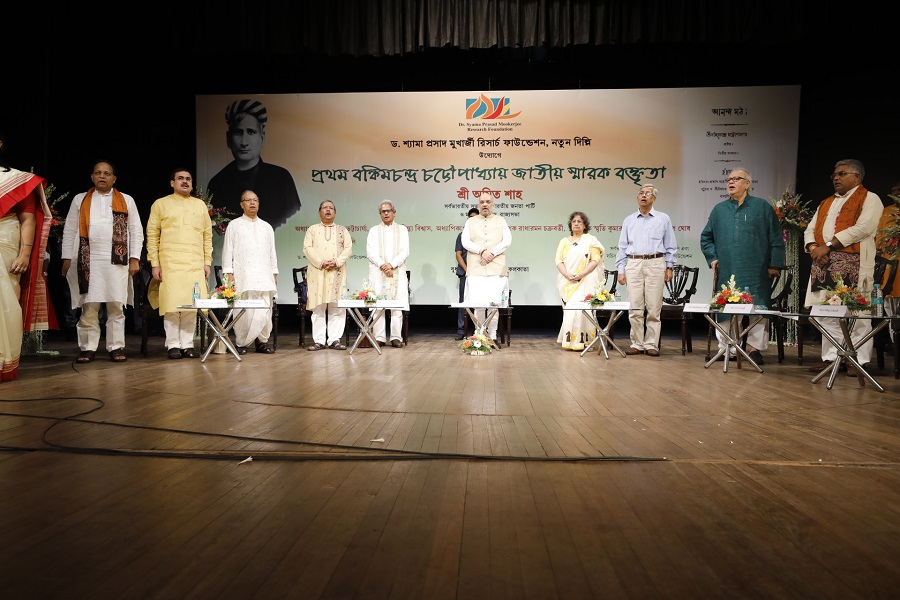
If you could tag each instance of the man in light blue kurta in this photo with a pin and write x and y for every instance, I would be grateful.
(744, 238)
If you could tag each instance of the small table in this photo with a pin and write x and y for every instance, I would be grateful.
(481, 326)
(615, 309)
(846, 350)
(221, 329)
(367, 322)
(735, 334)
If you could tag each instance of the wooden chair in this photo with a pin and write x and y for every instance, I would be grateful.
(886, 274)
(679, 291)
(143, 284)
(782, 286)
(504, 326)
(301, 287)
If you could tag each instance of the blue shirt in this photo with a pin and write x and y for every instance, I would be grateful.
(646, 234)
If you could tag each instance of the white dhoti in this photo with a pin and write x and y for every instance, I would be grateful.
(256, 324)
(486, 290)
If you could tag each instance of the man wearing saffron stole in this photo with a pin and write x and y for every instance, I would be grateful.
(103, 233)
(387, 248)
(840, 240)
(24, 230)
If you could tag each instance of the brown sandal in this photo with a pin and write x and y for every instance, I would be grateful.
(117, 355)
(316, 346)
(86, 356)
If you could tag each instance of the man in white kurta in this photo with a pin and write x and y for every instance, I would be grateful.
(387, 248)
(486, 237)
(248, 259)
(104, 266)
(179, 248)
(327, 247)
(840, 240)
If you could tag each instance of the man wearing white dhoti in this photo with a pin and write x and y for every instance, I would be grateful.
(249, 261)
(104, 235)
(387, 248)
(487, 238)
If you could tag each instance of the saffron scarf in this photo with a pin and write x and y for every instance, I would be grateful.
(119, 236)
(843, 262)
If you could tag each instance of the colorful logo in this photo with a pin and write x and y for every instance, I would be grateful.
(486, 109)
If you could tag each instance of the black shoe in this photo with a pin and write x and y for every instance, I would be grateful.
(460, 336)
(757, 357)
(174, 353)
(189, 353)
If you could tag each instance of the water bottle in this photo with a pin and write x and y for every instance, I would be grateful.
(877, 301)
(196, 294)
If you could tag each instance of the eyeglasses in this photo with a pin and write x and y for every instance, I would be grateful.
(843, 174)
(736, 179)
(644, 193)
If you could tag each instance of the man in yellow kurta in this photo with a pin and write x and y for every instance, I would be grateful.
(179, 248)
(327, 247)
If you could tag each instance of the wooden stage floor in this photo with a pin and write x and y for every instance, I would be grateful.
(425, 473)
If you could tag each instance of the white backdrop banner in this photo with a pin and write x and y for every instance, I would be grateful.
(540, 154)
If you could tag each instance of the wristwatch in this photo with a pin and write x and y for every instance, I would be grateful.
(828, 243)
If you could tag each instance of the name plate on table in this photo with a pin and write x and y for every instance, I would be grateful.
(739, 309)
(254, 303)
(615, 306)
(352, 303)
(827, 310)
(572, 305)
(696, 307)
(210, 303)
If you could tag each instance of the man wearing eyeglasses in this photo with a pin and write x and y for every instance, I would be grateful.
(104, 236)
(249, 262)
(744, 239)
(840, 240)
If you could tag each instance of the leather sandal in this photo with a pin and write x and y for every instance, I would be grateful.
(86, 356)
(316, 346)
(264, 347)
(117, 355)
(337, 345)
(189, 353)
(174, 353)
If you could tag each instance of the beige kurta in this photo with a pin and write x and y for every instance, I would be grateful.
(320, 244)
(179, 241)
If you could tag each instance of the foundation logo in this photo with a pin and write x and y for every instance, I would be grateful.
(489, 109)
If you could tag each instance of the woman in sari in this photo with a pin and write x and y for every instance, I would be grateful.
(579, 260)
(24, 229)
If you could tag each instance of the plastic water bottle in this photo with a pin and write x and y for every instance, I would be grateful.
(196, 294)
(877, 301)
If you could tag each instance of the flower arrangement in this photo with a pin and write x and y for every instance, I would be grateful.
(57, 223)
(476, 344)
(226, 292)
(220, 216)
(792, 212)
(888, 237)
(598, 298)
(730, 294)
(366, 294)
(844, 295)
